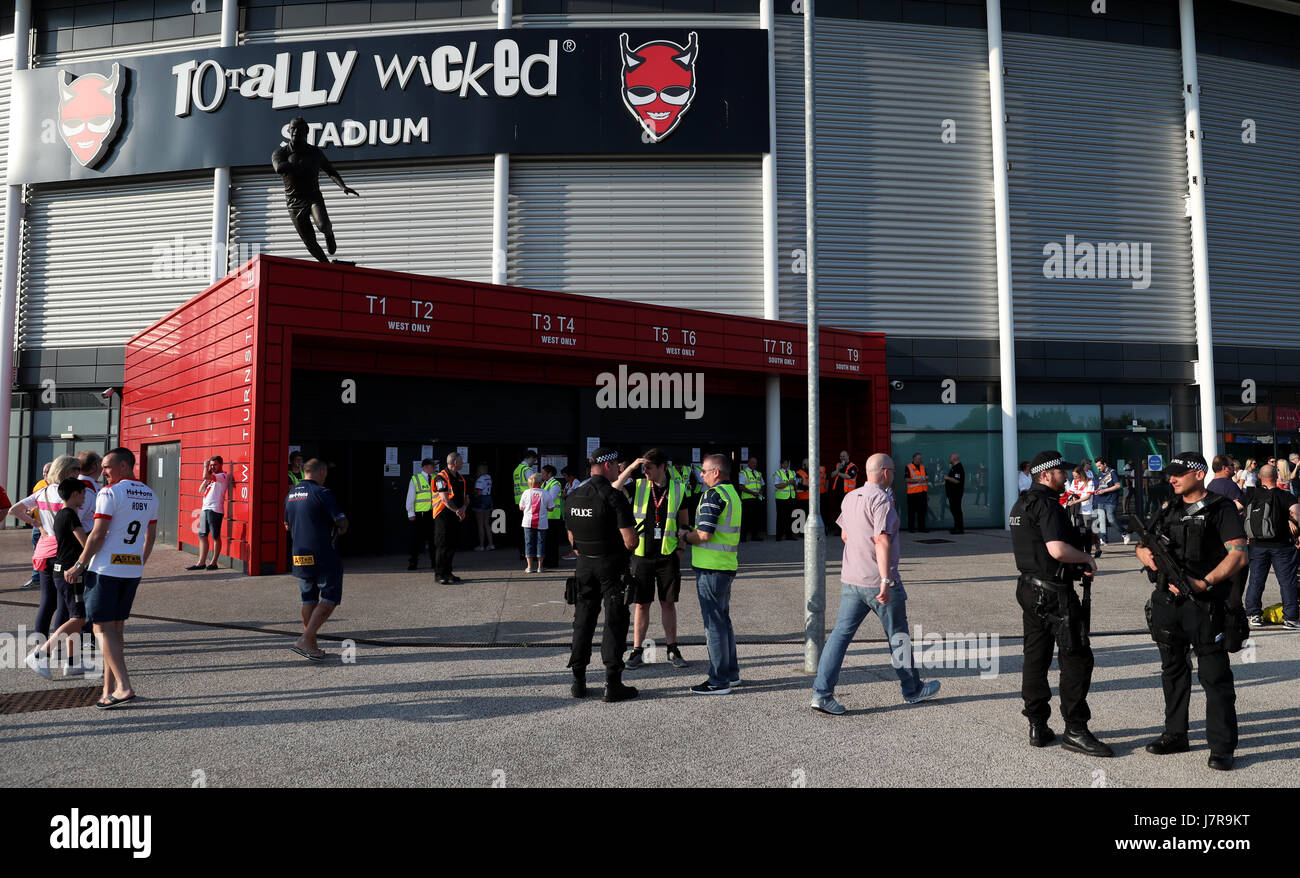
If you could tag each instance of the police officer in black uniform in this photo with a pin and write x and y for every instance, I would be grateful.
(602, 530)
(1049, 557)
(1205, 534)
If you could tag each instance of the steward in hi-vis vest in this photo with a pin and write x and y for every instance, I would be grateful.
(784, 488)
(751, 499)
(715, 553)
(918, 497)
(419, 512)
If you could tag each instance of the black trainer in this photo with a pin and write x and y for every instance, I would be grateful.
(1040, 734)
(578, 689)
(1167, 743)
(634, 660)
(1080, 740)
(618, 692)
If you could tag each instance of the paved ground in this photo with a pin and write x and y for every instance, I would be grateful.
(465, 685)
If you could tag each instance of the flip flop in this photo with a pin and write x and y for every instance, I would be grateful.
(317, 656)
(114, 702)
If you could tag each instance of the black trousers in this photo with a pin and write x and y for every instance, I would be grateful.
(551, 553)
(302, 220)
(916, 511)
(421, 533)
(446, 539)
(600, 581)
(753, 519)
(954, 505)
(1187, 625)
(784, 514)
(1076, 670)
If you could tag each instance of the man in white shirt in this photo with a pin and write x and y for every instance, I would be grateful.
(119, 545)
(213, 512)
(92, 465)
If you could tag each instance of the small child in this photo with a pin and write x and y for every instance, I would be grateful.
(534, 503)
(70, 538)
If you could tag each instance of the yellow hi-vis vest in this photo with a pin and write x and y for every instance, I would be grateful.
(423, 492)
(682, 476)
(521, 480)
(722, 550)
(641, 513)
(558, 511)
(752, 479)
(786, 493)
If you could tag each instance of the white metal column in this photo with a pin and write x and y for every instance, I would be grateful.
(814, 552)
(1002, 221)
(501, 178)
(12, 244)
(1196, 212)
(221, 176)
(771, 309)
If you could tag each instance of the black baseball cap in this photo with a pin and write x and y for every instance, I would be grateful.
(1046, 460)
(604, 455)
(1186, 462)
(428, 461)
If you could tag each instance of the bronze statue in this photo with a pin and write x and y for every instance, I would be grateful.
(300, 164)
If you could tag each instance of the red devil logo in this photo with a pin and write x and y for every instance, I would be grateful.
(89, 114)
(659, 82)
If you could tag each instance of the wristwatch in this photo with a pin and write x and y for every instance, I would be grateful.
(887, 581)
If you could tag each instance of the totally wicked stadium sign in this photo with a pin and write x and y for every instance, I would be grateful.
(605, 91)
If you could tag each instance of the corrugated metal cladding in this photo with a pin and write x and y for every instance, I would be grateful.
(1252, 199)
(1095, 141)
(101, 262)
(678, 232)
(904, 220)
(6, 76)
(370, 29)
(422, 217)
(109, 53)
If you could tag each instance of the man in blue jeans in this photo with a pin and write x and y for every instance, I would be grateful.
(715, 553)
(869, 527)
(1272, 544)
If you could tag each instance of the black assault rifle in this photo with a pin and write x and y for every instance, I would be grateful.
(1168, 568)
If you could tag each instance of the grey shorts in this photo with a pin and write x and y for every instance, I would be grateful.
(210, 523)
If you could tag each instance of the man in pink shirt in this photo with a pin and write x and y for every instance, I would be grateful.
(868, 525)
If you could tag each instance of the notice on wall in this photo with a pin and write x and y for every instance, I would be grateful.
(593, 442)
(390, 454)
(695, 455)
(426, 451)
(744, 454)
(559, 461)
(392, 471)
(417, 466)
(463, 451)
(293, 448)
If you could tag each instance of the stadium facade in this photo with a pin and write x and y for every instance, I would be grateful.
(552, 180)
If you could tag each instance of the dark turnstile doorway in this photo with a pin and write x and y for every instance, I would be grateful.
(162, 473)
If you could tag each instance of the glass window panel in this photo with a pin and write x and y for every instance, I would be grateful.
(1058, 417)
(1248, 417)
(981, 418)
(1120, 417)
(1072, 445)
(89, 422)
(981, 456)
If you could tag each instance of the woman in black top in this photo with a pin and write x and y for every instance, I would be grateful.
(70, 538)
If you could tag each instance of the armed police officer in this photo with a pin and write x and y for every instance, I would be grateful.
(602, 530)
(1049, 556)
(1201, 547)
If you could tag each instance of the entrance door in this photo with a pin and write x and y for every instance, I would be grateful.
(162, 473)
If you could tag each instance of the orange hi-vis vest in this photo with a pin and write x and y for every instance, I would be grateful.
(802, 492)
(439, 505)
(916, 479)
(849, 478)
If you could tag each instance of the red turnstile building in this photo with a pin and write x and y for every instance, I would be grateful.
(216, 376)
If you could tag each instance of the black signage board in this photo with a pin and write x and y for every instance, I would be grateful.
(607, 91)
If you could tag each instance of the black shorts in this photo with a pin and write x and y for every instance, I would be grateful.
(663, 574)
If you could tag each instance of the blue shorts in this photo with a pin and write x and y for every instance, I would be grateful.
(482, 502)
(534, 542)
(210, 523)
(322, 585)
(109, 598)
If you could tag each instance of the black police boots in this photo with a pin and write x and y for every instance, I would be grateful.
(1040, 735)
(1168, 743)
(1080, 740)
(614, 688)
(1220, 761)
(579, 687)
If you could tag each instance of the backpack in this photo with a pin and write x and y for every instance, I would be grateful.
(1262, 515)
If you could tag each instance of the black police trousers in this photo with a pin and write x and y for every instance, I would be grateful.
(753, 519)
(784, 517)
(1179, 626)
(600, 580)
(954, 506)
(916, 510)
(446, 538)
(421, 534)
(1076, 670)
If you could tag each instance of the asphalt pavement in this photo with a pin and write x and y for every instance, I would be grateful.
(466, 685)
